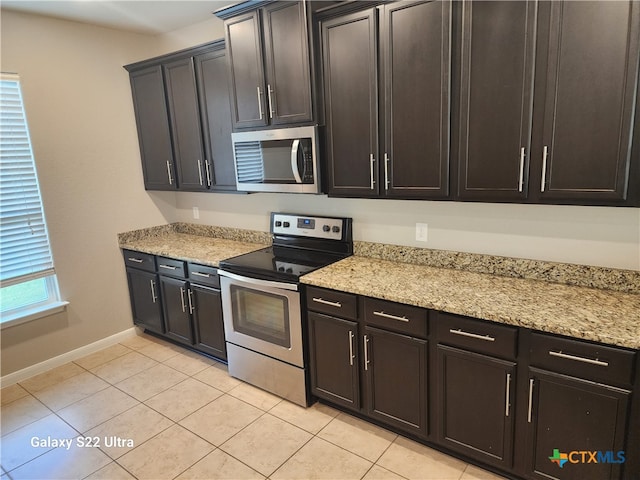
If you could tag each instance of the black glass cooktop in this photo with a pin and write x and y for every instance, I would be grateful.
(279, 263)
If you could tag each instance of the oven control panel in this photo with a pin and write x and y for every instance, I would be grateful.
(315, 227)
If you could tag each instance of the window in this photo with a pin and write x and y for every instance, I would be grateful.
(28, 285)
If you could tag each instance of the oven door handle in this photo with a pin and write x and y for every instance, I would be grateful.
(259, 283)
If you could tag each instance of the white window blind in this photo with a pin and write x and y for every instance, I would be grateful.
(25, 253)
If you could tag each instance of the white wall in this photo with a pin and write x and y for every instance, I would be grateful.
(602, 236)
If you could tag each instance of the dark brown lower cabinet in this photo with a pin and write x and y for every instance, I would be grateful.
(208, 327)
(396, 379)
(575, 418)
(476, 405)
(175, 303)
(334, 367)
(145, 302)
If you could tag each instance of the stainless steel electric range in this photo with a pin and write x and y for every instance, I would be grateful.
(262, 304)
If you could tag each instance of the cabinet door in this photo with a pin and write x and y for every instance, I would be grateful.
(498, 45)
(177, 318)
(286, 48)
(207, 320)
(182, 97)
(248, 105)
(349, 56)
(145, 302)
(152, 121)
(215, 115)
(567, 415)
(396, 376)
(416, 48)
(592, 67)
(475, 405)
(334, 365)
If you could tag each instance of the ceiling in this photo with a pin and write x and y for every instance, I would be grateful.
(142, 16)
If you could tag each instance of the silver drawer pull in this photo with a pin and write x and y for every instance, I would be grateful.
(392, 317)
(137, 260)
(198, 274)
(487, 338)
(168, 267)
(579, 359)
(327, 302)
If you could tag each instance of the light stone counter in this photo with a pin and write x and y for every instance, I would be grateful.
(192, 243)
(606, 316)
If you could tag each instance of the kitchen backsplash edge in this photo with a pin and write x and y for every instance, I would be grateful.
(604, 278)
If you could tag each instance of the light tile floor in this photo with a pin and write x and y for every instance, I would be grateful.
(147, 409)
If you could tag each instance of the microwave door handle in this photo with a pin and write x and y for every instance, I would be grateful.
(294, 160)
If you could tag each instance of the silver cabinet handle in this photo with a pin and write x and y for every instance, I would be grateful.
(530, 400)
(207, 168)
(168, 267)
(386, 171)
(579, 359)
(459, 331)
(200, 172)
(154, 297)
(392, 317)
(351, 355)
(327, 302)
(545, 153)
(136, 260)
(169, 173)
(190, 297)
(269, 92)
(259, 103)
(366, 352)
(372, 160)
(521, 178)
(508, 396)
(200, 274)
(184, 307)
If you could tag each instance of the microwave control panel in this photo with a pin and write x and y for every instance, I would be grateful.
(315, 227)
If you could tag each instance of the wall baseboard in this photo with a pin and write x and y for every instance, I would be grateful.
(54, 362)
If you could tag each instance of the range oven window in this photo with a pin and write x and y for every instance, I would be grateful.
(261, 315)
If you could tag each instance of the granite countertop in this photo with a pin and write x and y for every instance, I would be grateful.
(606, 316)
(191, 247)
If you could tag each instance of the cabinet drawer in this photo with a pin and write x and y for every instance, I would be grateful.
(143, 261)
(396, 316)
(171, 267)
(477, 335)
(339, 304)
(204, 275)
(581, 359)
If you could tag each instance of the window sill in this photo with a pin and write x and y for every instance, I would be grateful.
(32, 314)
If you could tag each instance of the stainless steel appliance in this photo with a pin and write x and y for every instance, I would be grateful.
(277, 160)
(262, 304)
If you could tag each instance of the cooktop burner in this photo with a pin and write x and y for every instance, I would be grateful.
(301, 244)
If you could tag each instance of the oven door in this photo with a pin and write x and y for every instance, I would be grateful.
(263, 316)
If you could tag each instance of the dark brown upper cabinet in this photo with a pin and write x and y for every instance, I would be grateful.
(496, 99)
(215, 115)
(416, 53)
(152, 122)
(404, 152)
(269, 70)
(182, 100)
(589, 78)
(184, 126)
(349, 54)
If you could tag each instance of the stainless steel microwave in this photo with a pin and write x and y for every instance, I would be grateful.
(279, 160)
